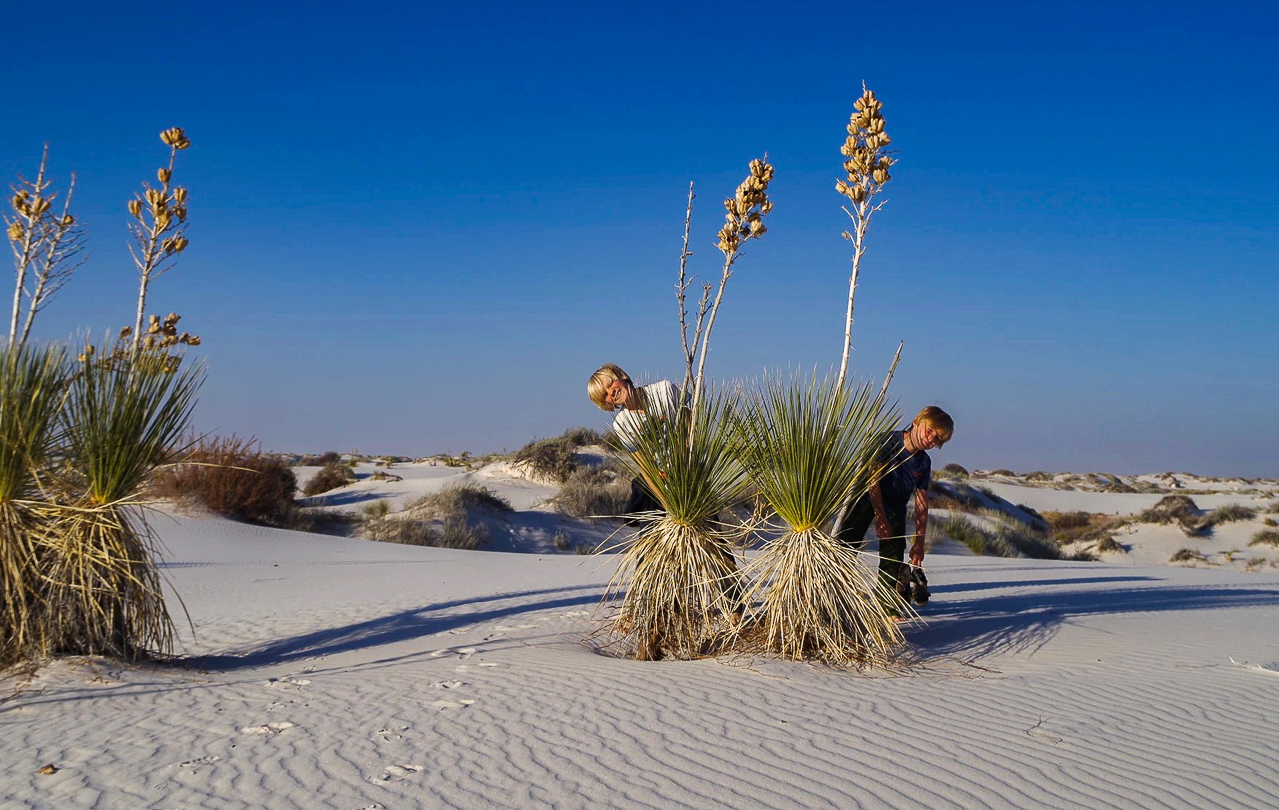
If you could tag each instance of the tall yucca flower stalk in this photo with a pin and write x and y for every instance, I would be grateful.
(807, 445)
(679, 571)
(866, 162)
(158, 227)
(32, 388)
(121, 420)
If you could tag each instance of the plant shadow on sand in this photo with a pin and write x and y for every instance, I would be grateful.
(973, 628)
(405, 625)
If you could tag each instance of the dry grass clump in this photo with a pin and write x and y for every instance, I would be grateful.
(331, 476)
(1273, 508)
(1108, 545)
(1269, 522)
(1265, 537)
(323, 459)
(1188, 555)
(231, 477)
(952, 470)
(1005, 538)
(1230, 513)
(593, 491)
(445, 519)
(554, 457)
(456, 499)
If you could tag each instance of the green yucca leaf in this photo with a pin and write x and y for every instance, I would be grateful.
(123, 418)
(688, 460)
(810, 444)
(32, 392)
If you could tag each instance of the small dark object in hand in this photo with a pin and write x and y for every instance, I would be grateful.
(912, 585)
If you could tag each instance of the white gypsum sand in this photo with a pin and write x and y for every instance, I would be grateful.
(343, 673)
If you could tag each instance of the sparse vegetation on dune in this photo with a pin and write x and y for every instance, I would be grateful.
(232, 477)
(554, 457)
(1265, 537)
(1231, 513)
(593, 492)
(1188, 555)
(457, 499)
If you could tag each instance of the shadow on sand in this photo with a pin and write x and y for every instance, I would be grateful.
(976, 627)
(404, 625)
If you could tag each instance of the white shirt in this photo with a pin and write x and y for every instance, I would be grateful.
(662, 399)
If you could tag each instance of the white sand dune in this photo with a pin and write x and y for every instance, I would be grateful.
(336, 673)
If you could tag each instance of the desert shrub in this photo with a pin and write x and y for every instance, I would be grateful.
(1039, 475)
(1265, 537)
(1179, 509)
(1273, 508)
(593, 491)
(955, 470)
(1007, 539)
(553, 457)
(1270, 522)
(1187, 555)
(1065, 521)
(562, 541)
(1003, 471)
(454, 531)
(1108, 545)
(376, 509)
(322, 460)
(1032, 512)
(1229, 513)
(331, 476)
(611, 441)
(584, 549)
(231, 477)
(459, 532)
(965, 532)
(457, 499)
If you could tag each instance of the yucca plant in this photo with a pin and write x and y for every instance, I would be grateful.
(121, 420)
(32, 390)
(808, 444)
(680, 576)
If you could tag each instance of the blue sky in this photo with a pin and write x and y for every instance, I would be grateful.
(419, 227)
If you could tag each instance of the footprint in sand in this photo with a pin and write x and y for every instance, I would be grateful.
(272, 683)
(449, 705)
(439, 653)
(448, 684)
(195, 764)
(488, 664)
(391, 733)
(394, 773)
(466, 652)
(268, 729)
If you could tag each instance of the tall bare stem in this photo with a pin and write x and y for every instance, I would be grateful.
(867, 164)
(743, 222)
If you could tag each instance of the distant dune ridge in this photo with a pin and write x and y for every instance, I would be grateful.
(340, 672)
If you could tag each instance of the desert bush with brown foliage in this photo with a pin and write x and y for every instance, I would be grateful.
(331, 476)
(233, 478)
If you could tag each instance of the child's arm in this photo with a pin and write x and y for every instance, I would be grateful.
(882, 527)
(921, 525)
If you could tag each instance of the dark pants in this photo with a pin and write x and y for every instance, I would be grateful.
(892, 551)
(641, 499)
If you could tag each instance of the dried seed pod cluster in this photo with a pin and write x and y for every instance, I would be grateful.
(159, 221)
(746, 209)
(865, 160)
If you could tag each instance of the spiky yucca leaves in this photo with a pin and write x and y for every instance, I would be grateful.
(121, 420)
(680, 564)
(807, 445)
(32, 386)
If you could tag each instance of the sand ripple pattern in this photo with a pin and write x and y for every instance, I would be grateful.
(1036, 685)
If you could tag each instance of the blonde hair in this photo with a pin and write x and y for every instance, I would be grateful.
(597, 385)
(939, 421)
